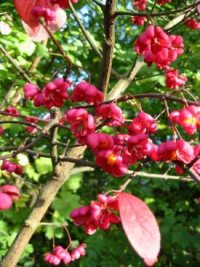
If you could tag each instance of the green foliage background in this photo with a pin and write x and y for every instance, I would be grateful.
(173, 202)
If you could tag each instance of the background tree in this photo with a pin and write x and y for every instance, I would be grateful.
(97, 45)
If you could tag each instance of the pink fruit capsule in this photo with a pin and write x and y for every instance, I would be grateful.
(102, 198)
(95, 212)
(67, 258)
(11, 190)
(5, 201)
(81, 249)
(75, 254)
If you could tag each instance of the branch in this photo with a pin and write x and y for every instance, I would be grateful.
(152, 14)
(85, 32)
(23, 116)
(108, 45)
(90, 40)
(37, 139)
(54, 132)
(162, 97)
(60, 49)
(79, 162)
(98, 4)
(81, 169)
(125, 98)
(141, 174)
(194, 175)
(123, 83)
(162, 176)
(23, 123)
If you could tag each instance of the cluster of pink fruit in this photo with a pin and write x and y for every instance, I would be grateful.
(49, 13)
(32, 120)
(8, 194)
(188, 118)
(62, 255)
(53, 94)
(98, 215)
(156, 46)
(173, 80)
(142, 4)
(139, 20)
(12, 110)
(193, 24)
(11, 167)
(114, 154)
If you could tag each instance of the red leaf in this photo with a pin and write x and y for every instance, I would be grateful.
(63, 3)
(140, 227)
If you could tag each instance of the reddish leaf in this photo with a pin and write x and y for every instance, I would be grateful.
(140, 227)
(63, 3)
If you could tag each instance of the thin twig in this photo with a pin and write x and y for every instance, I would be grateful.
(85, 32)
(13, 62)
(146, 14)
(60, 49)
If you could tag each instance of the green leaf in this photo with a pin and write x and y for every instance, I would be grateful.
(43, 165)
(74, 182)
(42, 51)
(66, 203)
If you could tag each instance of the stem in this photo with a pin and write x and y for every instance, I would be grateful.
(69, 237)
(60, 49)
